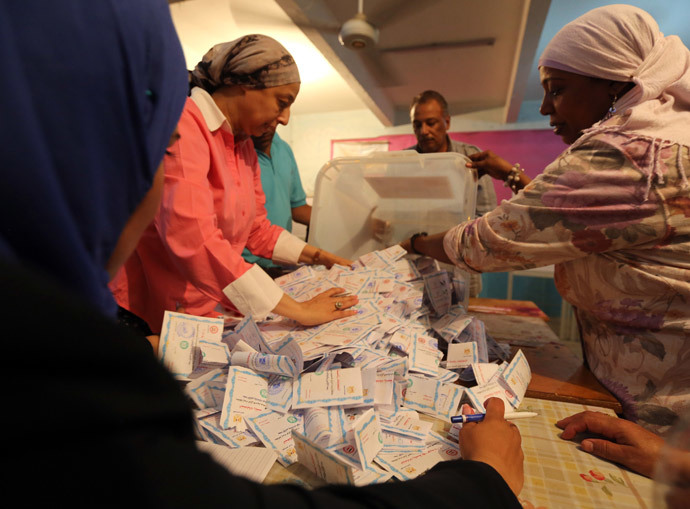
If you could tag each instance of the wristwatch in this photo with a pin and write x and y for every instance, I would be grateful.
(413, 238)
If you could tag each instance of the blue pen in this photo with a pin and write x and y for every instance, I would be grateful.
(462, 419)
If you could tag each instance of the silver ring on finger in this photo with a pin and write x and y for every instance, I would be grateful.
(338, 305)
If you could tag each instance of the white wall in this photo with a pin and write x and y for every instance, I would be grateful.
(310, 135)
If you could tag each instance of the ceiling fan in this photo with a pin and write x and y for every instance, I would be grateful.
(357, 33)
(361, 35)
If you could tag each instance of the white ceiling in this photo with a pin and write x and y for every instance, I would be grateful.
(496, 69)
(203, 23)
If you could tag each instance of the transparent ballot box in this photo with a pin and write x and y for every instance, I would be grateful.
(362, 204)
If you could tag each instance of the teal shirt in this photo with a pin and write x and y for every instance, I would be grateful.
(282, 187)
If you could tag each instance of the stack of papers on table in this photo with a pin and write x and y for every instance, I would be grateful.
(345, 398)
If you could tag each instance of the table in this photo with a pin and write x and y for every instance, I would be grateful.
(507, 307)
(557, 373)
(557, 472)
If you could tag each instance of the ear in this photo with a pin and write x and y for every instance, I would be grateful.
(619, 88)
(447, 120)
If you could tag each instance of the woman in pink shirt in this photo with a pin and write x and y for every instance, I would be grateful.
(213, 203)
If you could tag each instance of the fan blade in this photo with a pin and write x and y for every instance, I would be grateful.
(472, 43)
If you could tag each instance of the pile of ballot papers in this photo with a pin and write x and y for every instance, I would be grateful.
(345, 398)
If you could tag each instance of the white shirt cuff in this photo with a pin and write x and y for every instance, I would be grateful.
(254, 293)
(288, 248)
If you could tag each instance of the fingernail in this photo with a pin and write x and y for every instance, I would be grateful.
(587, 446)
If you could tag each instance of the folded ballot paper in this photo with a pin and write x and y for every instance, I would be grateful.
(345, 399)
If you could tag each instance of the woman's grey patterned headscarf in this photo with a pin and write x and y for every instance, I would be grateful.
(255, 61)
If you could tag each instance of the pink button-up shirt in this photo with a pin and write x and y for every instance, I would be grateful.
(212, 207)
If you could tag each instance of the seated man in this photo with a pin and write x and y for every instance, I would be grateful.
(286, 200)
(430, 120)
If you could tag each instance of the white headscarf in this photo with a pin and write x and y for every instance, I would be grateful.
(623, 43)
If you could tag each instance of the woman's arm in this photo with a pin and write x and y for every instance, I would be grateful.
(589, 201)
(428, 245)
(202, 220)
(287, 248)
(315, 256)
(621, 441)
(488, 163)
(189, 221)
(329, 305)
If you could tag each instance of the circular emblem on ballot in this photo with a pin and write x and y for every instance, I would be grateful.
(184, 345)
(184, 330)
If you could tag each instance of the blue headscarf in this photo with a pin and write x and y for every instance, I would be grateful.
(92, 92)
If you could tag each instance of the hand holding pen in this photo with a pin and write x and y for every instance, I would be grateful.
(509, 416)
(496, 442)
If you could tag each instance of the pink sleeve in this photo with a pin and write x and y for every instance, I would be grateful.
(187, 220)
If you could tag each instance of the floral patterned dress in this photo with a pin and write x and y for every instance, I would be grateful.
(613, 214)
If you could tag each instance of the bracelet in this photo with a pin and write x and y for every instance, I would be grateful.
(513, 178)
(413, 238)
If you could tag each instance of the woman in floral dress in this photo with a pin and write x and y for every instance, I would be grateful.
(612, 212)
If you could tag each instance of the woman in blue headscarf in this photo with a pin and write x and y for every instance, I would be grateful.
(87, 111)
(96, 91)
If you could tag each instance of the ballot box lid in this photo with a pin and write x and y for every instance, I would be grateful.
(366, 203)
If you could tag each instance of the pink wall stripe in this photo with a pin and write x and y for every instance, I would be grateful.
(534, 149)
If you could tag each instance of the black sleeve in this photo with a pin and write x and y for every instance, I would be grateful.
(128, 319)
(97, 420)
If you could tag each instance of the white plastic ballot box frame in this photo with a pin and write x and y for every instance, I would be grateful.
(410, 192)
